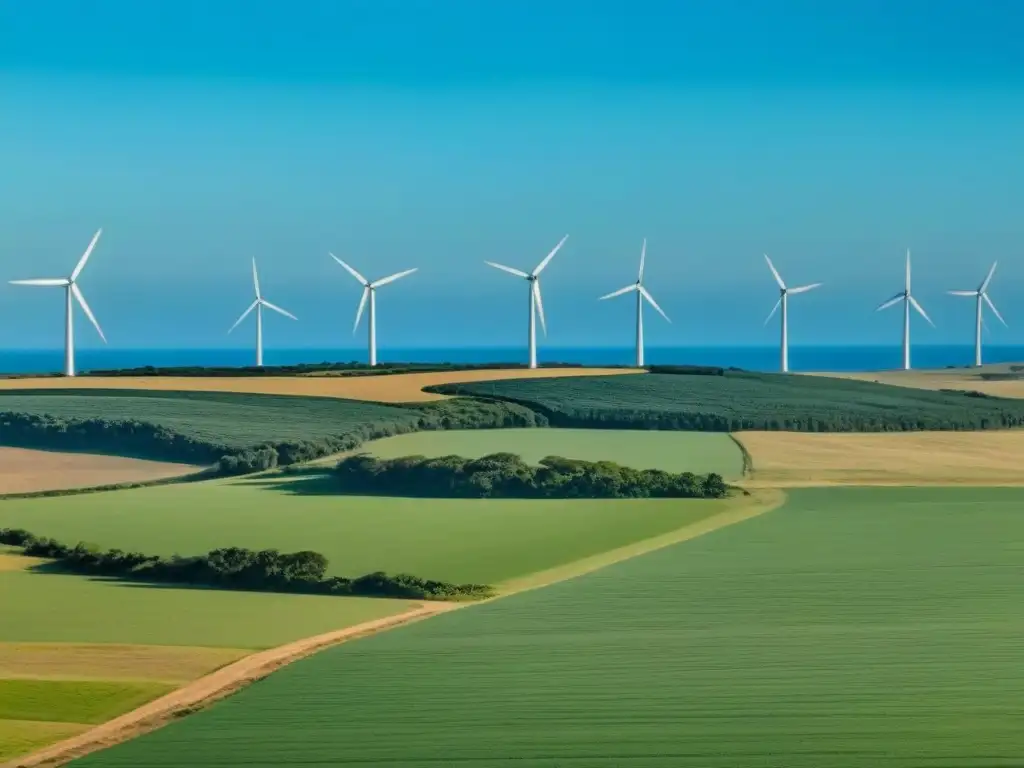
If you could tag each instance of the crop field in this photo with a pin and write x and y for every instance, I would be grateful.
(851, 628)
(224, 419)
(75, 651)
(392, 388)
(793, 459)
(966, 379)
(22, 471)
(459, 540)
(748, 401)
(641, 449)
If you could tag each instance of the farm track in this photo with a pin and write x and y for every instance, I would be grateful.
(233, 677)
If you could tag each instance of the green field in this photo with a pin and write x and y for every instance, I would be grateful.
(742, 400)
(458, 540)
(47, 607)
(74, 701)
(851, 628)
(699, 453)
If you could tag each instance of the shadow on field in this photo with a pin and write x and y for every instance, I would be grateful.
(318, 483)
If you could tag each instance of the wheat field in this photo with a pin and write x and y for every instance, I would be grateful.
(800, 459)
(939, 379)
(25, 471)
(392, 388)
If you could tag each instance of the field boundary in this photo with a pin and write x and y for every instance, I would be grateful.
(748, 460)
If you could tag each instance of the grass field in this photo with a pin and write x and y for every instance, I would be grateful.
(393, 388)
(852, 628)
(699, 452)
(741, 400)
(793, 459)
(23, 471)
(484, 541)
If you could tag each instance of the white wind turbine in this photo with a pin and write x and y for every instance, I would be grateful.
(258, 305)
(908, 300)
(981, 294)
(641, 294)
(370, 292)
(71, 289)
(783, 302)
(536, 305)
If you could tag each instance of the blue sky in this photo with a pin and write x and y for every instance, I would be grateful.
(439, 133)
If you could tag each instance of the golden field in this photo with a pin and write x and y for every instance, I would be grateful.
(25, 471)
(952, 378)
(795, 459)
(391, 388)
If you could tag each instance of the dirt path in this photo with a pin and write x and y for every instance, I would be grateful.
(208, 689)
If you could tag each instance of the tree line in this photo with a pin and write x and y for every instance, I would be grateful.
(506, 475)
(238, 568)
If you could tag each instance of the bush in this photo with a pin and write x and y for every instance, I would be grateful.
(506, 475)
(238, 568)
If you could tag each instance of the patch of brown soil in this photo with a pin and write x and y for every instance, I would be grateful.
(208, 689)
(394, 388)
(795, 459)
(25, 471)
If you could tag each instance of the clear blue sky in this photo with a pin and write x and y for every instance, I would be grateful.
(439, 133)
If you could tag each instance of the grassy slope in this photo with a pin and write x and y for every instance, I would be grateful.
(450, 539)
(642, 449)
(854, 627)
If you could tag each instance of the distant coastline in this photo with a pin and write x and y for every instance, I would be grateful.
(756, 358)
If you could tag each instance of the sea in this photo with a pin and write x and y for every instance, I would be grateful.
(754, 358)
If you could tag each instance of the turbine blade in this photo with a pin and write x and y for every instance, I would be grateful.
(255, 279)
(643, 257)
(244, 315)
(993, 308)
(362, 306)
(908, 272)
(775, 272)
(277, 309)
(392, 278)
(774, 310)
(549, 257)
(63, 281)
(540, 306)
(805, 288)
(962, 293)
(653, 303)
(619, 292)
(85, 257)
(510, 270)
(988, 278)
(88, 312)
(920, 310)
(351, 271)
(889, 302)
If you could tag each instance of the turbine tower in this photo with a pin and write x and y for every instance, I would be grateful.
(71, 288)
(370, 292)
(908, 301)
(783, 302)
(536, 305)
(258, 305)
(980, 295)
(641, 294)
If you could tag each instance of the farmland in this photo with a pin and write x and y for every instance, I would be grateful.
(995, 380)
(640, 449)
(459, 540)
(393, 388)
(788, 459)
(852, 627)
(23, 471)
(740, 400)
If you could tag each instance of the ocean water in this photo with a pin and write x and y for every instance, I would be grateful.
(760, 358)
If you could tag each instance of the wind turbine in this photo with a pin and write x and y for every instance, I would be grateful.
(641, 294)
(783, 302)
(71, 288)
(981, 294)
(370, 291)
(536, 305)
(258, 305)
(908, 301)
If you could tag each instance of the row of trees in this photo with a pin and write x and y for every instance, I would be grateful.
(343, 369)
(131, 437)
(506, 475)
(237, 568)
